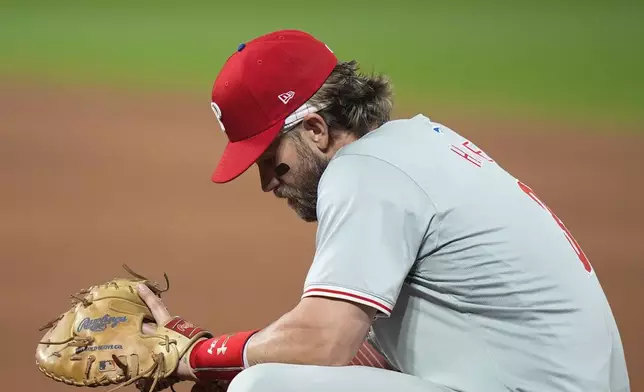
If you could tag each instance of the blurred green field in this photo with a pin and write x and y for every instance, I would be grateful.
(580, 59)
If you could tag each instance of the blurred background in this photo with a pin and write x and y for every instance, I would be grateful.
(107, 143)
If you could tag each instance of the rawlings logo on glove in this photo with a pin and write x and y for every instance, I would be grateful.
(101, 323)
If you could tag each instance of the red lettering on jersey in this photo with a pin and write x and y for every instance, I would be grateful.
(465, 155)
(475, 150)
(573, 243)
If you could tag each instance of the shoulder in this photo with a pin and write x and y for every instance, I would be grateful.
(360, 176)
(394, 131)
(375, 156)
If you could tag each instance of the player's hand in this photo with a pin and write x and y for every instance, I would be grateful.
(162, 316)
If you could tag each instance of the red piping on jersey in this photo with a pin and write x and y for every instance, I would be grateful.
(387, 308)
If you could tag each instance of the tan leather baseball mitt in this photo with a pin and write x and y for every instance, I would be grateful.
(100, 340)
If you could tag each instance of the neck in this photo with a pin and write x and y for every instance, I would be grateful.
(341, 140)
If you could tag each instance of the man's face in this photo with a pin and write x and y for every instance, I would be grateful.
(299, 184)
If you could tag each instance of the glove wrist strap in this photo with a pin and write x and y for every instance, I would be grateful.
(180, 325)
(219, 358)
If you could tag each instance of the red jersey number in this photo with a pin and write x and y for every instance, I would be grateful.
(575, 245)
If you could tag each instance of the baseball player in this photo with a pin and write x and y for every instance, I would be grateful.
(435, 269)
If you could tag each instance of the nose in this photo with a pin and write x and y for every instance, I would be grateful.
(267, 177)
(270, 185)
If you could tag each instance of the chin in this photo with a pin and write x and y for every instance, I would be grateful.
(308, 219)
(304, 216)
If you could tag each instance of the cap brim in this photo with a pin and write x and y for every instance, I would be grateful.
(239, 156)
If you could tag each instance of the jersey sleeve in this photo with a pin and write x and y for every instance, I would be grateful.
(372, 219)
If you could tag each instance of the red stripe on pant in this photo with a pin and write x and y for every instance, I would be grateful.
(369, 356)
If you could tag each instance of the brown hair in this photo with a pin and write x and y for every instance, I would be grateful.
(354, 102)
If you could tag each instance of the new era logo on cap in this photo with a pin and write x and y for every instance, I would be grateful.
(286, 97)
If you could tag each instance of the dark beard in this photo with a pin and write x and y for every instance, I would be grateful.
(303, 197)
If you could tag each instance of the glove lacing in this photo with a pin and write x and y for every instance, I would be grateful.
(159, 366)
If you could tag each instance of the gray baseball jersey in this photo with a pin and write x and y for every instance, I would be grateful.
(478, 285)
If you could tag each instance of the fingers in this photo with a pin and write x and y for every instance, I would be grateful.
(149, 329)
(158, 309)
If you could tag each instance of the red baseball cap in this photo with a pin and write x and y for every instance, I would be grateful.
(264, 82)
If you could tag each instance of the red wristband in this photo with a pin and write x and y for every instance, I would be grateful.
(219, 358)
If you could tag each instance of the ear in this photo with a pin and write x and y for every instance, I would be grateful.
(317, 131)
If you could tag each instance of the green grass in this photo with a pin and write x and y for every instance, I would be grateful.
(576, 58)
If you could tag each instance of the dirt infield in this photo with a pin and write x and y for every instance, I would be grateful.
(92, 178)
